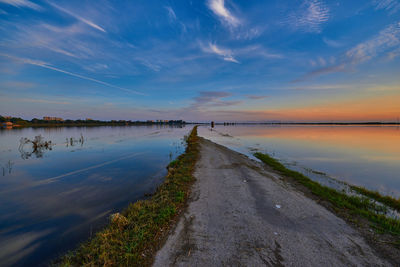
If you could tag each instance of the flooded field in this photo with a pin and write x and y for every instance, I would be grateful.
(56, 190)
(59, 185)
(367, 156)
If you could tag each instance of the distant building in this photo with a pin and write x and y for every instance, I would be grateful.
(53, 119)
(7, 117)
(89, 119)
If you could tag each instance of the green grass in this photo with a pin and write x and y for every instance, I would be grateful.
(387, 200)
(133, 237)
(351, 205)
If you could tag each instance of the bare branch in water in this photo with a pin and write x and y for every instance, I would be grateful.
(37, 147)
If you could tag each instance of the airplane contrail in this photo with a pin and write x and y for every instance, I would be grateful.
(48, 66)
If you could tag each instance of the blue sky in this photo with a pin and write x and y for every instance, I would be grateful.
(303, 60)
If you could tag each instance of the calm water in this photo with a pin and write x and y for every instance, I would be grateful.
(50, 200)
(362, 155)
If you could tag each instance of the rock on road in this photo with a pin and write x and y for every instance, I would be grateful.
(240, 214)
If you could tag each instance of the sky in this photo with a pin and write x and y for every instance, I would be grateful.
(201, 60)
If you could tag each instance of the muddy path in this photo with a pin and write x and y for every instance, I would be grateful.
(240, 214)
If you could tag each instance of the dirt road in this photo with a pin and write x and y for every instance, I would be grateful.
(240, 214)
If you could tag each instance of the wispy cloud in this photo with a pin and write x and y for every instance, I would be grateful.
(322, 61)
(206, 105)
(321, 71)
(64, 40)
(213, 99)
(219, 9)
(257, 97)
(22, 3)
(75, 28)
(249, 33)
(149, 65)
(309, 17)
(393, 54)
(257, 51)
(173, 19)
(171, 13)
(392, 6)
(332, 43)
(226, 54)
(48, 66)
(76, 16)
(385, 40)
(96, 67)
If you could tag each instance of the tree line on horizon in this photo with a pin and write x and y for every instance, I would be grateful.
(36, 121)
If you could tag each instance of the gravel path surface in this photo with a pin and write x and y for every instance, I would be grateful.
(240, 214)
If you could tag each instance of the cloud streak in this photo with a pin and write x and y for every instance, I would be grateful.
(76, 16)
(392, 6)
(332, 43)
(225, 54)
(219, 9)
(48, 66)
(173, 19)
(22, 3)
(212, 99)
(387, 41)
(171, 13)
(257, 51)
(321, 71)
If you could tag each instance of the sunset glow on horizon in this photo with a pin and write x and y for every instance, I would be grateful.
(232, 60)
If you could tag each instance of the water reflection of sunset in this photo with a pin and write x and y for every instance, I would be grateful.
(362, 155)
(379, 139)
